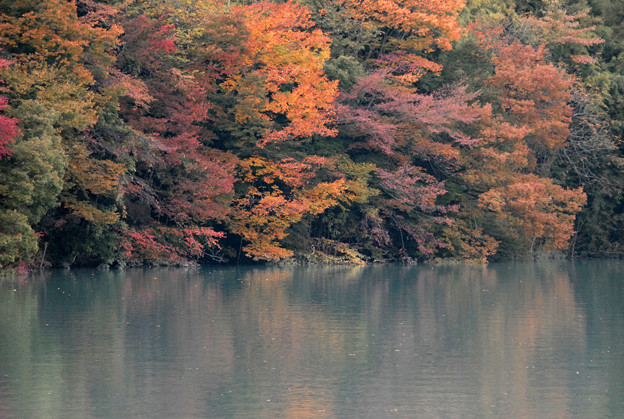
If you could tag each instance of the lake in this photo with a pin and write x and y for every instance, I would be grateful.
(505, 340)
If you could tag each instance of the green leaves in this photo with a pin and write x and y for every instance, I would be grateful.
(18, 241)
(32, 177)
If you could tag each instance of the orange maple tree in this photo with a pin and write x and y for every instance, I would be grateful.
(278, 195)
(534, 211)
(409, 29)
(281, 73)
(529, 122)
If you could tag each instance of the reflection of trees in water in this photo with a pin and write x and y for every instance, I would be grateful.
(517, 328)
(16, 351)
(289, 338)
(468, 334)
(600, 289)
(323, 341)
(531, 334)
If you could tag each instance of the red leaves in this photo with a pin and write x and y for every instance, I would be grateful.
(397, 116)
(164, 39)
(163, 244)
(411, 187)
(173, 107)
(8, 129)
(204, 97)
(194, 198)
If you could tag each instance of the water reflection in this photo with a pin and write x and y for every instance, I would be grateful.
(512, 340)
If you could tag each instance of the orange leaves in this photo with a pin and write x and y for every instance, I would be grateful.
(262, 219)
(471, 243)
(278, 195)
(534, 208)
(54, 33)
(402, 31)
(287, 170)
(323, 196)
(88, 212)
(429, 22)
(135, 89)
(56, 56)
(560, 28)
(530, 116)
(198, 85)
(280, 35)
(533, 93)
(529, 123)
(282, 73)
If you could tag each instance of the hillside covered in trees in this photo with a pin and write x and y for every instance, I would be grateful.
(163, 131)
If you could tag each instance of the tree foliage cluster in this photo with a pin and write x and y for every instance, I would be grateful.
(140, 132)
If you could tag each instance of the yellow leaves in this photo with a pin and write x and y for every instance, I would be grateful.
(358, 191)
(90, 213)
(335, 252)
(323, 196)
(264, 249)
(52, 48)
(252, 100)
(87, 177)
(54, 33)
(288, 171)
(471, 243)
(278, 195)
(64, 92)
(264, 223)
(99, 177)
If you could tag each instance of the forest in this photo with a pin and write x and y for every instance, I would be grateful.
(168, 132)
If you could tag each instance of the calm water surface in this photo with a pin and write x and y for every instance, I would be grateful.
(512, 340)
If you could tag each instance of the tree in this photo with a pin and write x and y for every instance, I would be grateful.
(511, 166)
(60, 62)
(280, 82)
(31, 179)
(278, 195)
(8, 125)
(179, 185)
(533, 212)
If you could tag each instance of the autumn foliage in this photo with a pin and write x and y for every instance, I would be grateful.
(169, 132)
(281, 73)
(8, 125)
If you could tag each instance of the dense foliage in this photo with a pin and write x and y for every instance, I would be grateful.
(171, 131)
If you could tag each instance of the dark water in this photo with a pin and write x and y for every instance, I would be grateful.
(515, 340)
